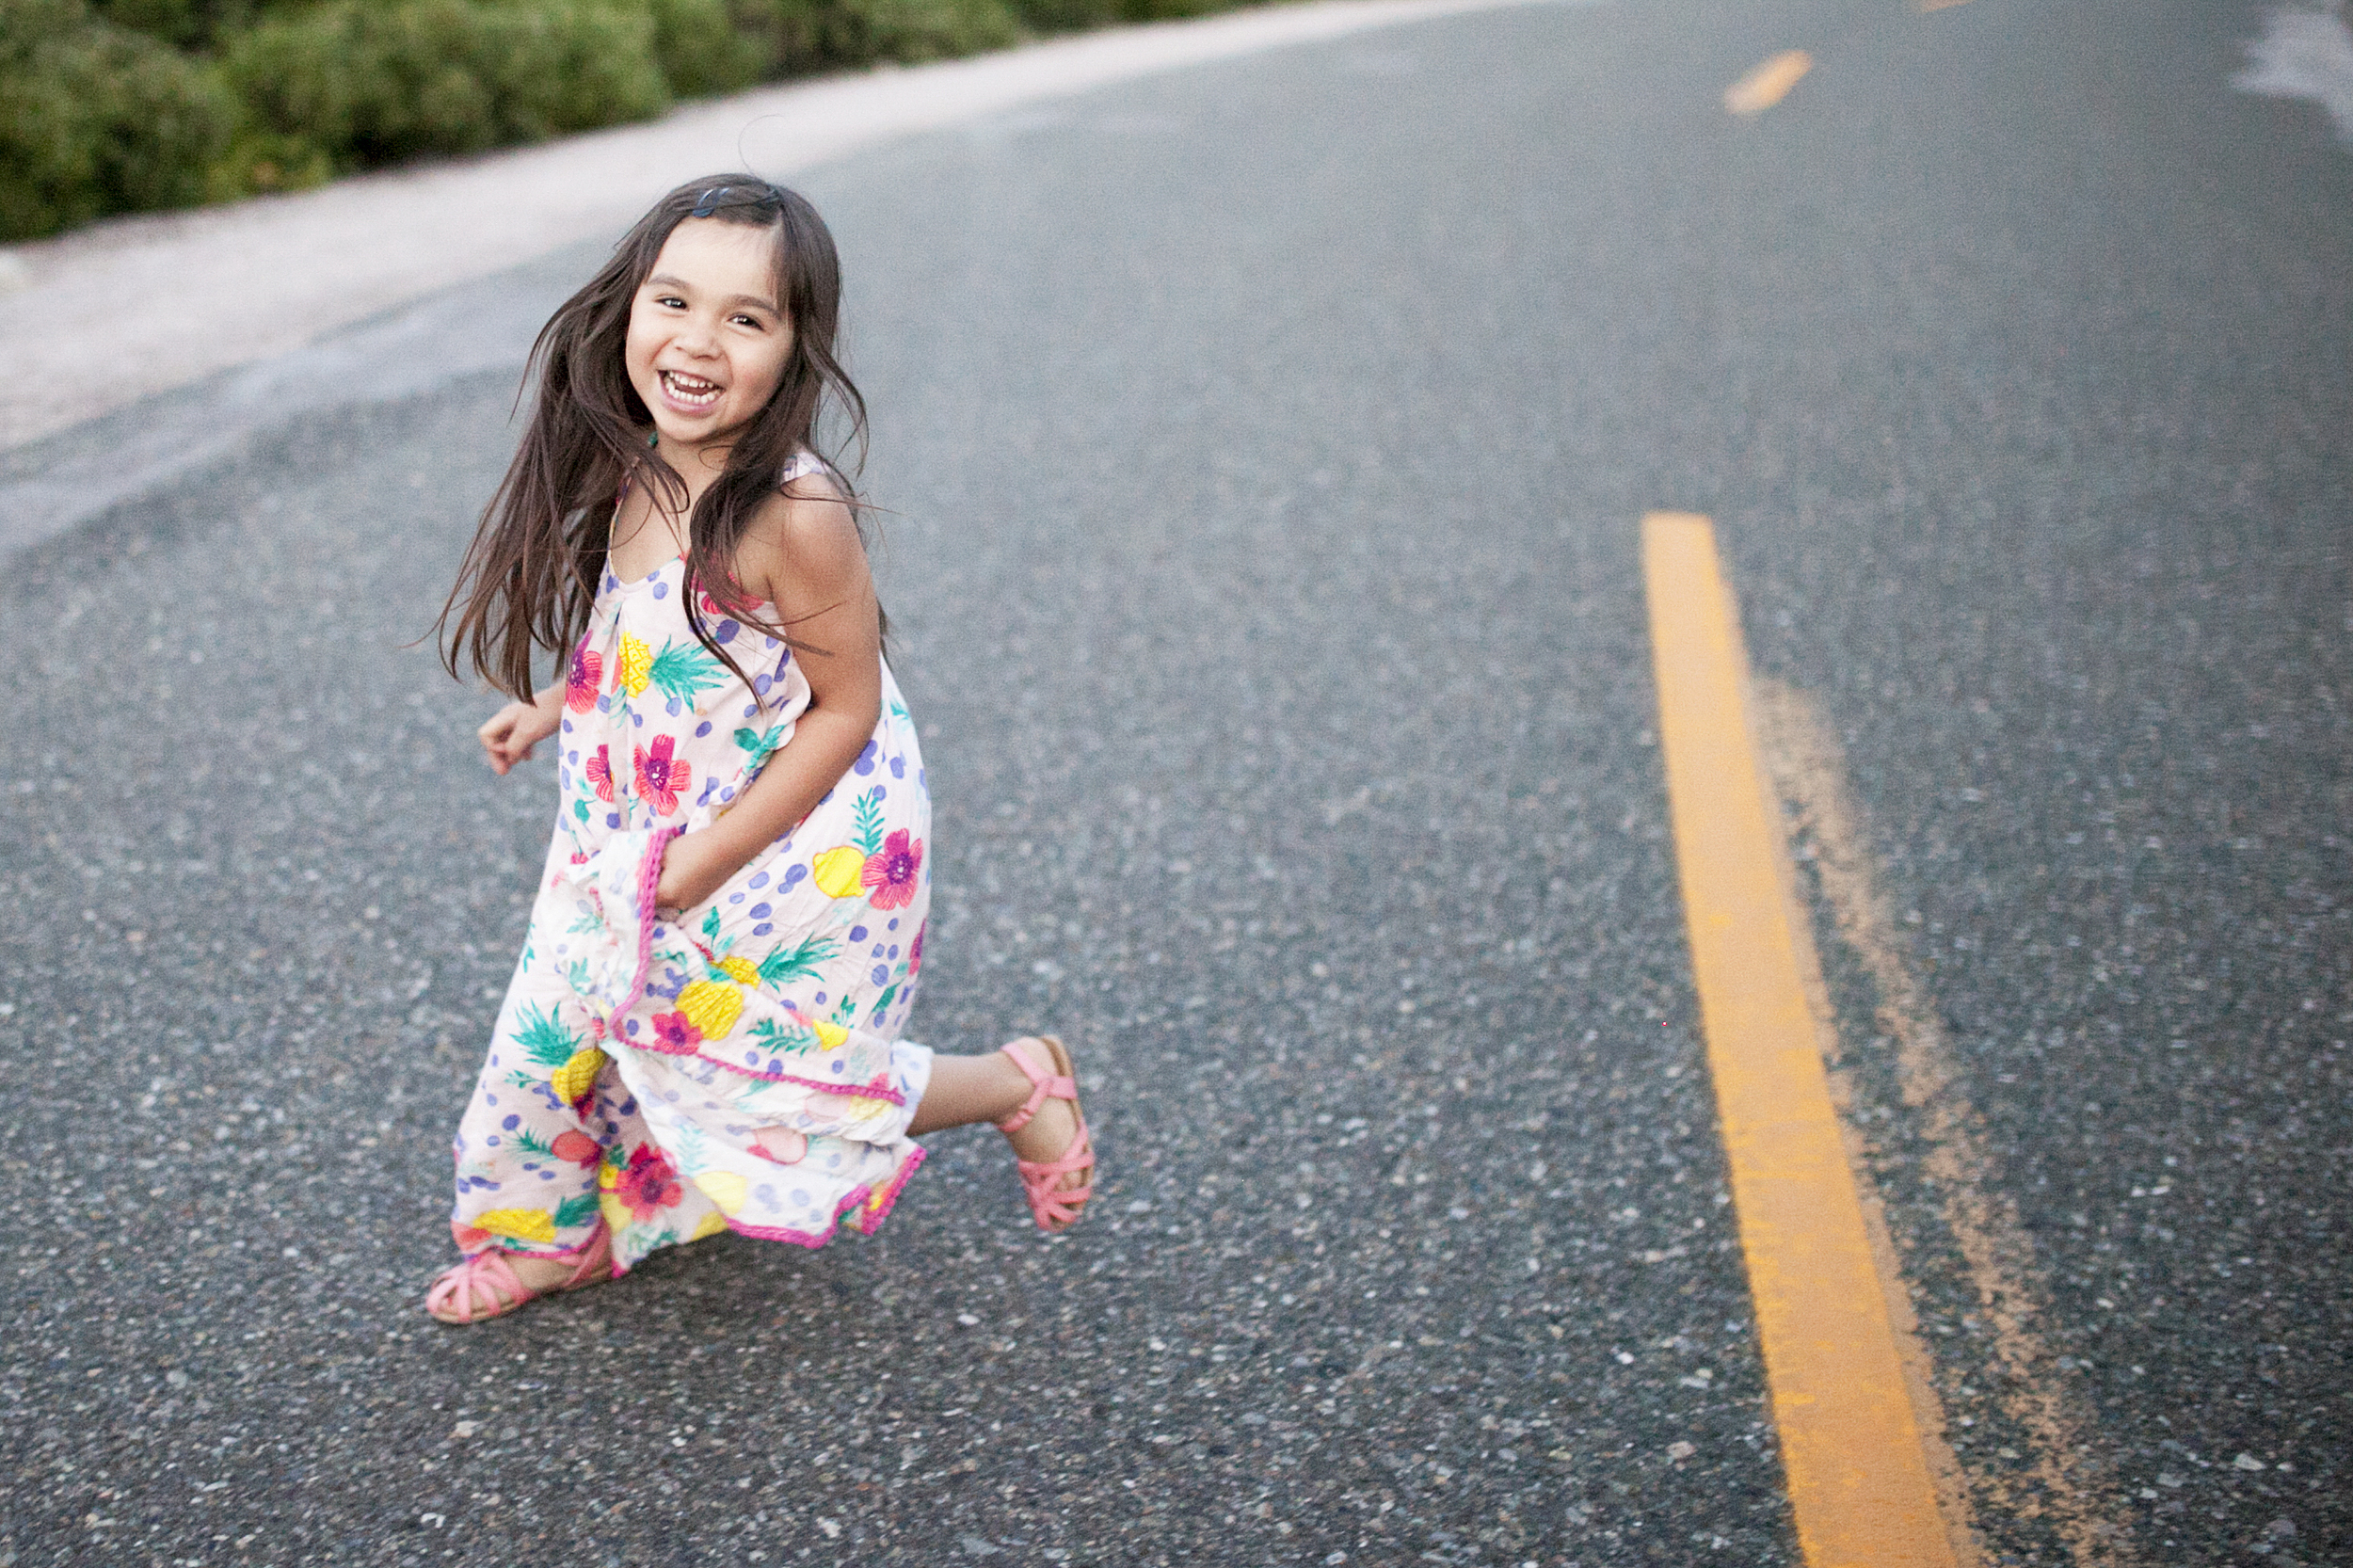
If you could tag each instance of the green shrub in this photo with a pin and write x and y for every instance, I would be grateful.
(700, 50)
(1063, 16)
(370, 82)
(798, 37)
(181, 24)
(120, 106)
(97, 120)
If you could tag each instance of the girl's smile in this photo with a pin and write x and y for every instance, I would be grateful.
(708, 342)
(692, 394)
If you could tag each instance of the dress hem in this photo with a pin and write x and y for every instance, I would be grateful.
(865, 1224)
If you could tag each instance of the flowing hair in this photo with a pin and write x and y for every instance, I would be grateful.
(529, 580)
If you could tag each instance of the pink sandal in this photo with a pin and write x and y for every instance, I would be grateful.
(1054, 1207)
(485, 1286)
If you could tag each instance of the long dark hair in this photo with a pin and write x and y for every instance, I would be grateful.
(530, 577)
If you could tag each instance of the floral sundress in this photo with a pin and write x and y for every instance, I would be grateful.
(738, 1067)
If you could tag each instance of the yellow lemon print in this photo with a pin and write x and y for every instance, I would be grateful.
(742, 970)
(830, 1036)
(726, 1191)
(711, 1224)
(616, 1215)
(634, 666)
(577, 1076)
(518, 1225)
(711, 1007)
(839, 872)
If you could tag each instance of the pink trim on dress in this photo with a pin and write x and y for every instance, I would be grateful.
(879, 1089)
(648, 889)
(854, 1198)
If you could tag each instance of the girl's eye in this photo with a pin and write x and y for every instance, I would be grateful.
(752, 321)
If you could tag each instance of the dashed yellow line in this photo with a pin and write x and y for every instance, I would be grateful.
(1859, 1478)
(1768, 84)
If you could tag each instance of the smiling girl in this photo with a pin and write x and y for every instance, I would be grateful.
(703, 1032)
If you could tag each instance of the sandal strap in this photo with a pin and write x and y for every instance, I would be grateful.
(1045, 1084)
(484, 1286)
(595, 1258)
(1049, 1204)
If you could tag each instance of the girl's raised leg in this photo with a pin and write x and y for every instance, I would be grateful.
(994, 1088)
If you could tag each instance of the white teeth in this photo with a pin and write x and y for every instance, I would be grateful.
(690, 389)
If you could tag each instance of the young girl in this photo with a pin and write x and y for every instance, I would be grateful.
(703, 1032)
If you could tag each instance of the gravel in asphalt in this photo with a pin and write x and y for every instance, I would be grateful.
(1263, 448)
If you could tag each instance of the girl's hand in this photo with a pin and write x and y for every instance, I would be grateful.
(514, 730)
(694, 867)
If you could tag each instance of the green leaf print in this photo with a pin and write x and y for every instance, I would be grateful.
(548, 1042)
(579, 1211)
(531, 1146)
(681, 670)
(757, 747)
(586, 923)
(869, 836)
(800, 963)
(710, 925)
(785, 1035)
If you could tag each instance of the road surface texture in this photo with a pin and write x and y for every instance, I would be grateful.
(1264, 447)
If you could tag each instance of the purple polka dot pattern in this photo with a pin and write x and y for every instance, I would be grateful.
(763, 1025)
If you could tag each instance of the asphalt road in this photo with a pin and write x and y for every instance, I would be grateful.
(1265, 446)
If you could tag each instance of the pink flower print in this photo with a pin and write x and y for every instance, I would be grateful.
(676, 1032)
(660, 777)
(915, 954)
(650, 1185)
(599, 771)
(580, 686)
(891, 875)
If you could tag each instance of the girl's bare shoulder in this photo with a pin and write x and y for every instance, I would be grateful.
(802, 543)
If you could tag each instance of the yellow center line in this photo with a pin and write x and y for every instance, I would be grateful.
(1859, 1485)
(1768, 84)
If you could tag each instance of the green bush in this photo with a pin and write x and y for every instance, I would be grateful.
(701, 51)
(95, 119)
(120, 105)
(181, 24)
(367, 83)
(797, 37)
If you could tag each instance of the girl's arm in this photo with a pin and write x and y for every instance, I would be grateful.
(514, 730)
(802, 555)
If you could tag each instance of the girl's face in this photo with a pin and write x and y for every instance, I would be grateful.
(708, 340)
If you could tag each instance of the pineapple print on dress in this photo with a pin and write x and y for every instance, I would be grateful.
(571, 1061)
(770, 1021)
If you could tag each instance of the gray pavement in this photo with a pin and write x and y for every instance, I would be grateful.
(1264, 445)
